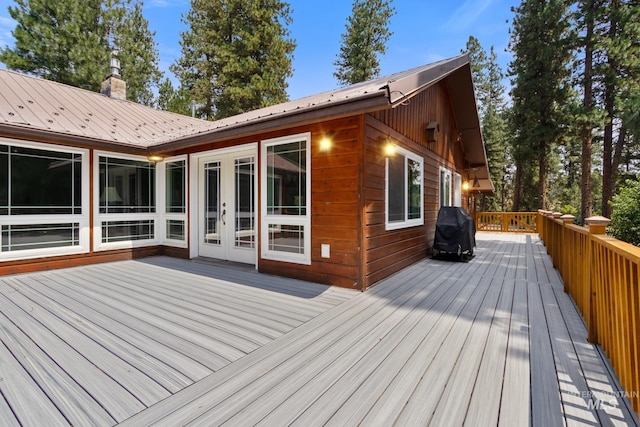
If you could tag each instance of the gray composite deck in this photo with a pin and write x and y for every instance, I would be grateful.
(171, 342)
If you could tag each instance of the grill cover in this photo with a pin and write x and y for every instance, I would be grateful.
(455, 231)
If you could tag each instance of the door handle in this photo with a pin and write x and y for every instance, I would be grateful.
(224, 212)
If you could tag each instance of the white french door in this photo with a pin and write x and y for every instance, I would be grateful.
(226, 206)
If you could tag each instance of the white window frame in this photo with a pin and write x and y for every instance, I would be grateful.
(99, 218)
(303, 221)
(161, 203)
(408, 155)
(447, 172)
(81, 219)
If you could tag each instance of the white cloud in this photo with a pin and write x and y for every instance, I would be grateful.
(466, 15)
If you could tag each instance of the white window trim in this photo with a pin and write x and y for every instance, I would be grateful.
(81, 219)
(99, 218)
(396, 225)
(265, 219)
(161, 203)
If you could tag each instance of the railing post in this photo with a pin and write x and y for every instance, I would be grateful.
(597, 226)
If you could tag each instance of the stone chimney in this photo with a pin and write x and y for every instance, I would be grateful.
(114, 86)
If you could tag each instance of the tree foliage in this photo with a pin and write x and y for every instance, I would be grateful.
(366, 36)
(174, 100)
(236, 55)
(540, 41)
(625, 220)
(71, 42)
(487, 79)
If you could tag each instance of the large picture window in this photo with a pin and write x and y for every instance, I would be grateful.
(127, 186)
(39, 182)
(404, 190)
(286, 202)
(42, 189)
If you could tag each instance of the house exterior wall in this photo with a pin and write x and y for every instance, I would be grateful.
(347, 195)
(388, 251)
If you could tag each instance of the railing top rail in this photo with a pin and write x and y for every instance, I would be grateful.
(624, 249)
(578, 229)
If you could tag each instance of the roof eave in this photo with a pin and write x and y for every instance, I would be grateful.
(328, 111)
(45, 135)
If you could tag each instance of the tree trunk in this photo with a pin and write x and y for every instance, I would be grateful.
(587, 130)
(607, 144)
(517, 189)
(542, 178)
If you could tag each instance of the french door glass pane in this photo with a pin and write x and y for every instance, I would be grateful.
(212, 203)
(244, 197)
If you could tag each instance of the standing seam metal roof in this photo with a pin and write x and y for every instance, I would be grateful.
(32, 103)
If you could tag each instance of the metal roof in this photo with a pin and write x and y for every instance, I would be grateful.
(34, 107)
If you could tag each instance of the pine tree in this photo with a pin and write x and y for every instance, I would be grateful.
(540, 43)
(236, 55)
(136, 47)
(366, 37)
(71, 42)
(174, 100)
(487, 80)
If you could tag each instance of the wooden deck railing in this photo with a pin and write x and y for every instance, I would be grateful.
(602, 274)
(512, 222)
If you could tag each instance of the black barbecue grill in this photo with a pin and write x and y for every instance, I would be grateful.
(455, 233)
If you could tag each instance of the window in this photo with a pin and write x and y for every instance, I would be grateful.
(450, 188)
(175, 187)
(41, 200)
(118, 231)
(126, 195)
(127, 186)
(404, 190)
(286, 203)
(445, 187)
(39, 182)
(457, 189)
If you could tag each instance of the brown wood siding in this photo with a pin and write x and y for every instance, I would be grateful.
(386, 252)
(411, 122)
(335, 207)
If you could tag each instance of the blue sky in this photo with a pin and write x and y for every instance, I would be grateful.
(424, 31)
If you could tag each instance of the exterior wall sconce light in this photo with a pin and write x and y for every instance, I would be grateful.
(327, 141)
(432, 132)
(476, 182)
(389, 149)
(465, 186)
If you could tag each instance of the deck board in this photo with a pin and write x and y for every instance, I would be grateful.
(173, 342)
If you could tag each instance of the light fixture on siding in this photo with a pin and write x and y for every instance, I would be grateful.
(327, 141)
(389, 149)
(476, 182)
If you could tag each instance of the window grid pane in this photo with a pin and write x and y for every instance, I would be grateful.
(396, 194)
(39, 182)
(39, 236)
(414, 185)
(117, 231)
(175, 229)
(244, 201)
(286, 179)
(286, 238)
(126, 186)
(175, 191)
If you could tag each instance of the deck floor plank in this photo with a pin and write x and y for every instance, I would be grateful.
(492, 341)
